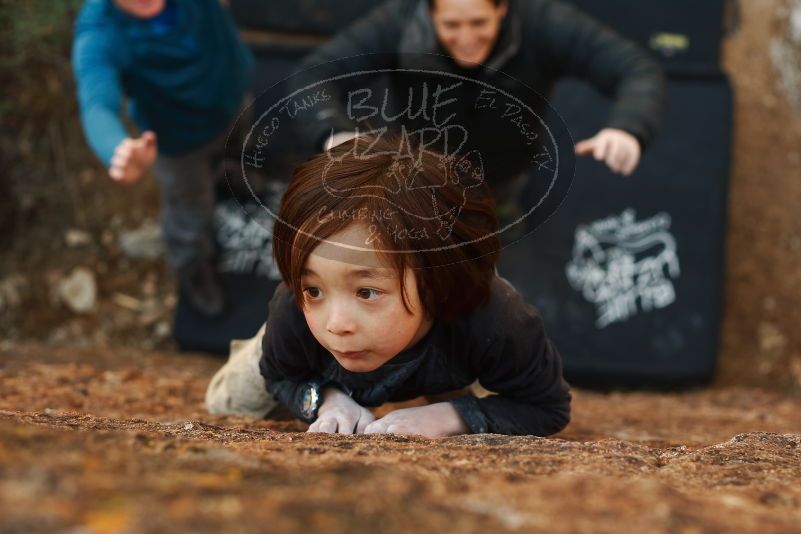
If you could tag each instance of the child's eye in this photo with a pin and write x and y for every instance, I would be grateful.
(368, 293)
(312, 293)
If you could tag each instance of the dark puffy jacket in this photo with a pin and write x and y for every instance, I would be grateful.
(540, 41)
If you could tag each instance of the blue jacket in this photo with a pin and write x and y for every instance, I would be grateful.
(184, 72)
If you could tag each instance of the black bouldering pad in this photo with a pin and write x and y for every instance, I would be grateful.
(628, 274)
(247, 270)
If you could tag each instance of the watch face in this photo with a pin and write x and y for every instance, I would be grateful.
(309, 402)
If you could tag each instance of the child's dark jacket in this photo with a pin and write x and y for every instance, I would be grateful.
(502, 344)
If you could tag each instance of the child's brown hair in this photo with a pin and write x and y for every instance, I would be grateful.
(426, 211)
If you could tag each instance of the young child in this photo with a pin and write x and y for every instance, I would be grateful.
(390, 292)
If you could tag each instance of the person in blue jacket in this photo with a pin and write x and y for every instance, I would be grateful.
(184, 72)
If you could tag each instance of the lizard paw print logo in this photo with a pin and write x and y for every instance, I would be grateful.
(624, 266)
(407, 178)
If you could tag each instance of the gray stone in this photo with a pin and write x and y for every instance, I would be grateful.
(78, 290)
(786, 55)
(11, 290)
(145, 242)
(76, 238)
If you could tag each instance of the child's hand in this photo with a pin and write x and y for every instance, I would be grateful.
(433, 421)
(339, 414)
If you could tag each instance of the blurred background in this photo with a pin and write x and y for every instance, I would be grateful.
(81, 262)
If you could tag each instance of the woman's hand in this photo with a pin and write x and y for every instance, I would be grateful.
(339, 414)
(618, 149)
(337, 139)
(433, 421)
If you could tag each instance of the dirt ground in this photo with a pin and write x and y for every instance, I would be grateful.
(118, 441)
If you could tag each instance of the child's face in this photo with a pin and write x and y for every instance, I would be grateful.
(354, 307)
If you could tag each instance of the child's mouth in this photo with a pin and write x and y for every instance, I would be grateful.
(352, 354)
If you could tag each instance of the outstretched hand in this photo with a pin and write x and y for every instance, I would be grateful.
(434, 421)
(133, 157)
(618, 149)
(339, 414)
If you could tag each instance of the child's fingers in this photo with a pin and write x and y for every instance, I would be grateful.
(327, 426)
(346, 425)
(366, 418)
(376, 427)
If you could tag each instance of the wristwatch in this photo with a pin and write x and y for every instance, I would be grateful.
(311, 397)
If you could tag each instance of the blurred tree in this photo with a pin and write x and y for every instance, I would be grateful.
(40, 137)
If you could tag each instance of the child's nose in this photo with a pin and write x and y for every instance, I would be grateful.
(339, 321)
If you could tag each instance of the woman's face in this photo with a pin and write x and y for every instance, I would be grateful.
(142, 9)
(353, 303)
(468, 29)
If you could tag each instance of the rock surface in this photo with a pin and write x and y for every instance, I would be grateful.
(786, 54)
(119, 441)
(78, 290)
(144, 242)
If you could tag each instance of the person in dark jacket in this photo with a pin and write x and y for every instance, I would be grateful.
(185, 73)
(390, 293)
(501, 43)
